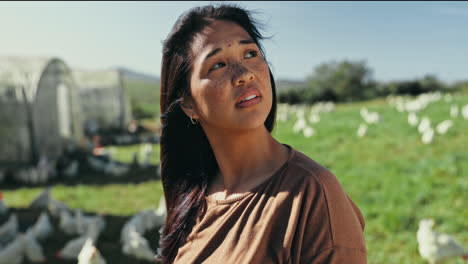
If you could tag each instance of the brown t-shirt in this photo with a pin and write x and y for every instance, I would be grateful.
(301, 214)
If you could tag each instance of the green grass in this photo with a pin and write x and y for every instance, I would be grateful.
(125, 153)
(115, 199)
(393, 177)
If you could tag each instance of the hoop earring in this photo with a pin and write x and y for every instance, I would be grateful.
(193, 122)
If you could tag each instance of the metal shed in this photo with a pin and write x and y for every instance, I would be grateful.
(104, 100)
(39, 109)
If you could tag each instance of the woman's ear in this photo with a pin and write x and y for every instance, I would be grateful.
(188, 107)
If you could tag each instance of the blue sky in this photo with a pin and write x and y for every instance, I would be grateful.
(399, 40)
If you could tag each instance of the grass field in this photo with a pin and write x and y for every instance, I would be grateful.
(393, 177)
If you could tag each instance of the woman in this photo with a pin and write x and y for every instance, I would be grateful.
(234, 194)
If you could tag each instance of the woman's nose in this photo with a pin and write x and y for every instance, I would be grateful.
(241, 75)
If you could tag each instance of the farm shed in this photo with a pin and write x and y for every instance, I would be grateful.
(39, 109)
(104, 101)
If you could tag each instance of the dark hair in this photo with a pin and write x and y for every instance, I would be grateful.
(187, 160)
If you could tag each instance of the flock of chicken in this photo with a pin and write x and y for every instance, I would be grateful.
(69, 166)
(15, 246)
(402, 104)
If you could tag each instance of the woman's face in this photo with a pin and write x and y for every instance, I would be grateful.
(230, 81)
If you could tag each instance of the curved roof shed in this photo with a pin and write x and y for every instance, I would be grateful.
(104, 100)
(39, 108)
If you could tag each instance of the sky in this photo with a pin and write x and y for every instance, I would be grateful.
(398, 40)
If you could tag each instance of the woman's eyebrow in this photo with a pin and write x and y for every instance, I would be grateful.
(215, 51)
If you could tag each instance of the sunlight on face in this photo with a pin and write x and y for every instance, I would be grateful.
(230, 80)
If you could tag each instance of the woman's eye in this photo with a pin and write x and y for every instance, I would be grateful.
(250, 54)
(217, 66)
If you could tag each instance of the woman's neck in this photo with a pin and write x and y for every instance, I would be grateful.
(245, 158)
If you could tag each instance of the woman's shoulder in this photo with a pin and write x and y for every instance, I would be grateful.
(302, 170)
(318, 185)
(316, 182)
(324, 202)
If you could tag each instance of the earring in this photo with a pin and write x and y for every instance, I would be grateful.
(192, 120)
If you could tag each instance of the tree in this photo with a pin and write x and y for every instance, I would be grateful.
(342, 81)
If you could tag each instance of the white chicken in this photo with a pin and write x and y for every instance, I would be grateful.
(90, 225)
(151, 219)
(96, 163)
(42, 200)
(3, 206)
(89, 254)
(32, 249)
(308, 131)
(436, 247)
(146, 151)
(72, 249)
(13, 253)
(162, 211)
(427, 136)
(299, 125)
(115, 169)
(56, 207)
(71, 170)
(9, 230)
(424, 125)
(43, 168)
(67, 223)
(454, 111)
(138, 247)
(444, 126)
(465, 112)
(413, 119)
(314, 118)
(42, 228)
(362, 130)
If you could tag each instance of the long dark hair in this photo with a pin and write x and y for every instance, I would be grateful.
(187, 160)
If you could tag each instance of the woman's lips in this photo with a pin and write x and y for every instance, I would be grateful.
(250, 102)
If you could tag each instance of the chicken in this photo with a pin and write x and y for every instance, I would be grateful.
(146, 151)
(13, 253)
(67, 223)
(32, 249)
(135, 224)
(42, 228)
(96, 163)
(71, 170)
(362, 130)
(115, 169)
(43, 169)
(138, 247)
(94, 226)
(465, 111)
(412, 119)
(424, 125)
(3, 206)
(9, 230)
(151, 219)
(436, 247)
(72, 249)
(89, 254)
(444, 126)
(42, 200)
(56, 207)
(161, 211)
(308, 131)
(90, 225)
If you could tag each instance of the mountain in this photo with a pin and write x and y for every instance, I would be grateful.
(131, 74)
(283, 85)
